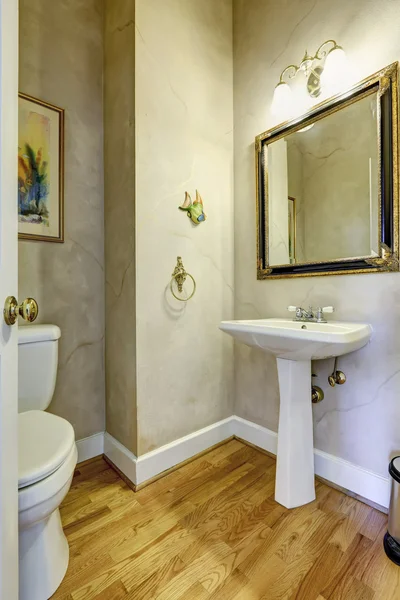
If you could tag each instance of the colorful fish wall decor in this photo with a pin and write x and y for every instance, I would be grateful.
(194, 210)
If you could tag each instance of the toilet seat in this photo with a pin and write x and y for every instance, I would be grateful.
(33, 499)
(44, 443)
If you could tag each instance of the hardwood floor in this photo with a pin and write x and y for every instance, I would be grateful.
(212, 531)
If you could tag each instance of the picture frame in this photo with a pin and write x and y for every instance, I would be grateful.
(40, 170)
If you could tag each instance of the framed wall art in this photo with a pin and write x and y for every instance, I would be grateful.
(40, 170)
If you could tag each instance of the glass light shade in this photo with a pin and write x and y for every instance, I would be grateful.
(282, 103)
(304, 102)
(335, 76)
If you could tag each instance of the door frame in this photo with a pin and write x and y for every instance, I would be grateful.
(9, 286)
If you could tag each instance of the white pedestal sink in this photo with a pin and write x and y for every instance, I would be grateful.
(295, 344)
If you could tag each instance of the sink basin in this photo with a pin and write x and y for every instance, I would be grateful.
(295, 340)
(295, 344)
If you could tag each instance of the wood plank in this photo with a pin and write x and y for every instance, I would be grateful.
(350, 587)
(197, 569)
(320, 575)
(355, 554)
(147, 532)
(150, 587)
(195, 592)
(116, 591)
(355, 513)
(236, 581)
(373, 524)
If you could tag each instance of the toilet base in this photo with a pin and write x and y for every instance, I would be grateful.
(43, 558)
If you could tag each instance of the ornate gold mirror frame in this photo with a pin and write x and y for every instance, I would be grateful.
(385, 84)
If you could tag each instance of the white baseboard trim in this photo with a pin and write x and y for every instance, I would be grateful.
(360, 481)
(145, 467)
(153, 463)
(90, 447)
(255, 434)
(122, 458)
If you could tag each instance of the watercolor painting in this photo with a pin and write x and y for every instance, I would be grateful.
(40, 170)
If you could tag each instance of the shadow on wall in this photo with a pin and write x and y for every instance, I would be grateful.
(171, 307)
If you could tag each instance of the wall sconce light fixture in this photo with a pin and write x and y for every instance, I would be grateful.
(326, 71)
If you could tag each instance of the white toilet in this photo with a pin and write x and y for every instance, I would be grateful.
(47, 459)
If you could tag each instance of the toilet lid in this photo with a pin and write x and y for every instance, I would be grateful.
(44, 442)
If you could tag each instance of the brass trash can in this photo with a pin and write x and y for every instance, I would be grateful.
(391, 541)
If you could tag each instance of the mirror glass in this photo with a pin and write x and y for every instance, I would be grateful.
(323, 188)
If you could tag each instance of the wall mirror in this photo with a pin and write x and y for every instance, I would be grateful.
(327, 186)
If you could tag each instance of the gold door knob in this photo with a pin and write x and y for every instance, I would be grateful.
(28, 310)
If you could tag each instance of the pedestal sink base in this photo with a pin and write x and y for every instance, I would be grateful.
(295, 344)
(295, 458)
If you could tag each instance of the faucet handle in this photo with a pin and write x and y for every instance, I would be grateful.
(328, 309)
(320, 317)
(292, 308)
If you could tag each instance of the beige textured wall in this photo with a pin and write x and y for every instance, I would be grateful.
(119, 157)
(184, 139)
(61, 61)
(357, 421)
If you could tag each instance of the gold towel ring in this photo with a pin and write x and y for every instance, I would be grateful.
(191, 295)
(179, 276)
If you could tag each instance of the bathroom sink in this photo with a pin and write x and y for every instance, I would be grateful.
(297, 340)
(295, 344)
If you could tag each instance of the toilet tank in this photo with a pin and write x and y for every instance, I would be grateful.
(37, 365)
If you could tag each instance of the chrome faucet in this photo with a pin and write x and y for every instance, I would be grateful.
(311, 315)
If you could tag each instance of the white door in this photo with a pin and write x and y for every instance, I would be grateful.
(8, 287)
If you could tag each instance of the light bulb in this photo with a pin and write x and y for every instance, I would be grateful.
(336, 75)
(282, 103)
